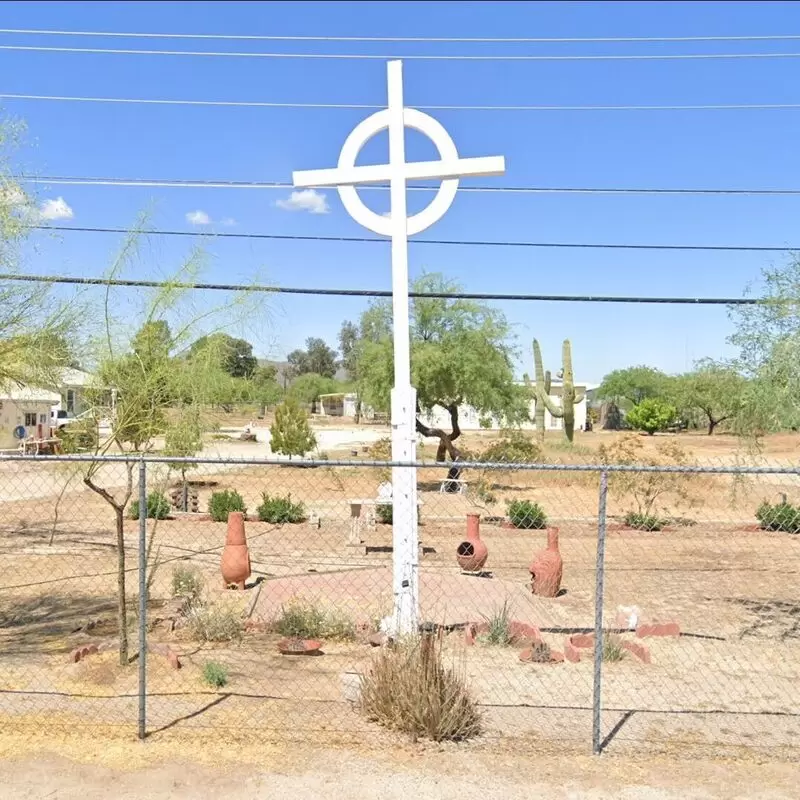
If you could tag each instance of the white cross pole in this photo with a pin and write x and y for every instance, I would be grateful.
(399, 226)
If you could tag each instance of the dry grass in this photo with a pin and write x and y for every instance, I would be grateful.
(410, 690)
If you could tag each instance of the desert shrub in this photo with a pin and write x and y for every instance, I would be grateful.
(499, 623)
(215, 675)
(651, 415)
(215, 623)
(381, 451)
(527, 515)
(513, 447)
(301, 620)
(220, 504)
(782, 516)
(649, 494)
(187, 582)
(644, 522)
(280, 510)
(408, 689)
(385, 513)
(79, 435)
(158, 506)
(612, 650)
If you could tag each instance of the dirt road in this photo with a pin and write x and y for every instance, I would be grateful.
(346, 775)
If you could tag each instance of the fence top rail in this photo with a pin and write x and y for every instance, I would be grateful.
(135, 458)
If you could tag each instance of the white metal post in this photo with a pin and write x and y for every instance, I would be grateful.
(405, 536)
(399, 226)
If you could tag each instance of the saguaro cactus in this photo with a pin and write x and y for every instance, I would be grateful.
(569, 397)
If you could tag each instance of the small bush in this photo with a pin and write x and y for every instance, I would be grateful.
(158, 507)
(644, 522)
(513, 447)
(612, 650)
(79, 436)
(499, 632)
(408, 689)
(300, 620)
(780, 517)
(215, 675)
(279, 510)
(215, 624)
(385, 513)
(222, 503)
(187, 582)
(527, 515)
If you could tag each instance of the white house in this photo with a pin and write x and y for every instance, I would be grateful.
(24, 412)
(344, 405)
(73, 385)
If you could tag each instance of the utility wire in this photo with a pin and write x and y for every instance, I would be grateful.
(456, 242)
(415, 57)
(211, 184)
(495, 40)
(241, 287)
(373, 107)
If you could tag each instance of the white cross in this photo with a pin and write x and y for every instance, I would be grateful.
(399, 226)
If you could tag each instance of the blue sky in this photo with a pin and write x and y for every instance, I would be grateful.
(743, 149)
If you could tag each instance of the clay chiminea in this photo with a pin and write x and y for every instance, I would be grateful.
(472, 552)
(235, 555)
(547, 568)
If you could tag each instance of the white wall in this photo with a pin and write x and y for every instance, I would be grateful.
(13, 413)
(469, 419)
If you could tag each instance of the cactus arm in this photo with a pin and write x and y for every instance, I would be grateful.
(547, 382)
(556, 410)
(579, 398)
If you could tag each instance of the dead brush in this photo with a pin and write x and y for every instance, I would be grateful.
(408, 689)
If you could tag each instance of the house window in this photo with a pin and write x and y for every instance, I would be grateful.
(42, 419)
(71, 400)
(30, 419)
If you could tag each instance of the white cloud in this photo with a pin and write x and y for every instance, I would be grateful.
(198, 218)
(56, 209)
(228, 222)
(305, 200)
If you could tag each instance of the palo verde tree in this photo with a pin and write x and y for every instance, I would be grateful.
(716, 390)
(38, 336)
(634, 384)
(138, 383)
(767, 336)
(460, 354)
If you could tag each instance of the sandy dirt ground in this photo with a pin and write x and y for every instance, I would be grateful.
(729, 682)
(392, 775)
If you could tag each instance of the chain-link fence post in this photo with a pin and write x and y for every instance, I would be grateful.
(598, 615)
(142, 599)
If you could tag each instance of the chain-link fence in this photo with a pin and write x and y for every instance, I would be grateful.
(618, 605)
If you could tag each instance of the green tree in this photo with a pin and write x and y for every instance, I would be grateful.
(767, 335)
(634, 384)
(308, 387)
(651, 415)
(350, 348)
(183, 439)
(38, 333)
(716, 390)
(264, 387)
(317, 358)
(290, 433)
(138, 388)
(234, 356)
(460, 354)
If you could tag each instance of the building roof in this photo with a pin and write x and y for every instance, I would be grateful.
(29, 394)
(75, 377)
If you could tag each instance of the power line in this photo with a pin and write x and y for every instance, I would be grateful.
(494, 40)
(226, 184)
(373, 107)
(415, 57)
(243, 287)
(454, 242)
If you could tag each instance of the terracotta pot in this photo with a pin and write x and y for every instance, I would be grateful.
(235, 555)
(547, 567)
(472, 552)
